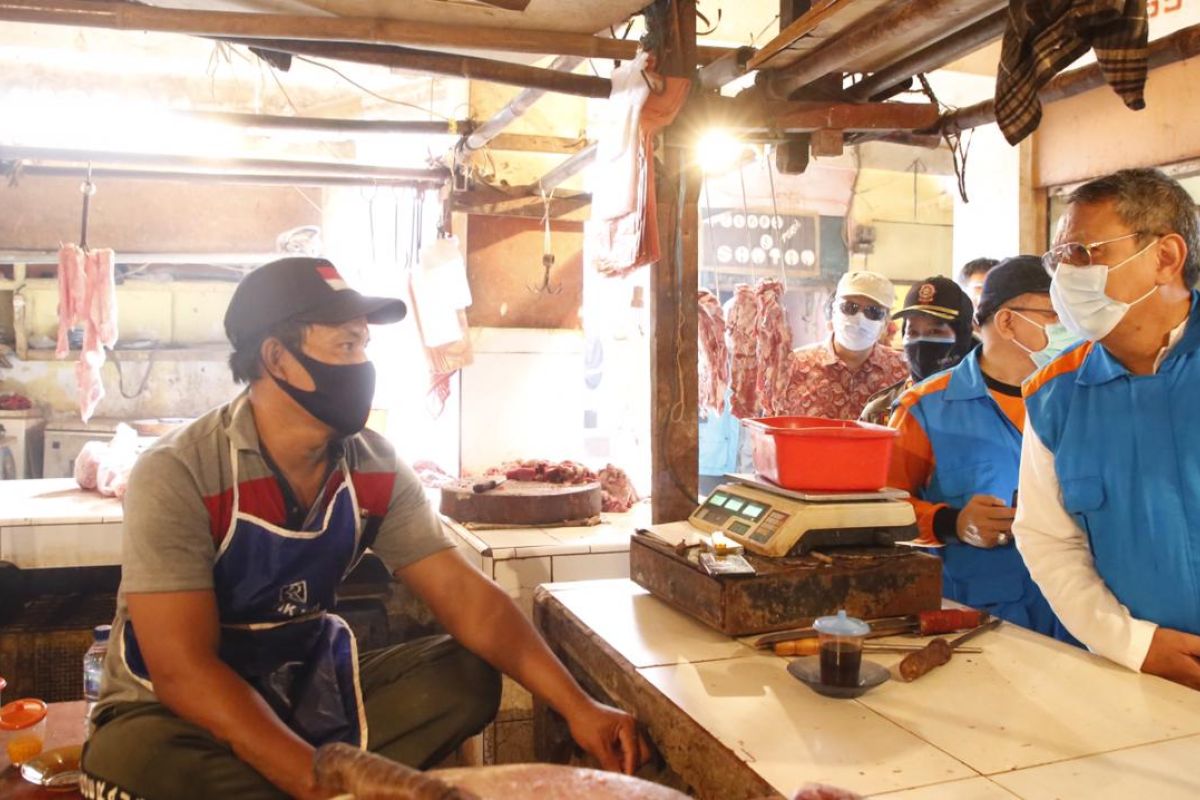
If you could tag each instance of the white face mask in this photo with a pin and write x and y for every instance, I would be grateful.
(1084, 308)
(856, 333)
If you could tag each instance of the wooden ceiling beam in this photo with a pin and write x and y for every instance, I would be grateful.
(778, 52)
(896, 23)
(117, 15)
(748, 113)
(427, 61)
(936, 55)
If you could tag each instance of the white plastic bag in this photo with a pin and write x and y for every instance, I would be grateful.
(105, 466)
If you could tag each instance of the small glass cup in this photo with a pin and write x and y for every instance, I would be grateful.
(22, 731)
(841, 641)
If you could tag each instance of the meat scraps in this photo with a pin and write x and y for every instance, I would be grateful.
(616, 491)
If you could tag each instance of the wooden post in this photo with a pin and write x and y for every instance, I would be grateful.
(674, 438)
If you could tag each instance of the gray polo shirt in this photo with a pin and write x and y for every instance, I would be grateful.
(179, 507)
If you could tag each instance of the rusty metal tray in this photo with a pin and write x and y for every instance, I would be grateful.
(869, 582)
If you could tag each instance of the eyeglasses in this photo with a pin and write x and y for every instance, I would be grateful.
(1077, 254)
(871, 312)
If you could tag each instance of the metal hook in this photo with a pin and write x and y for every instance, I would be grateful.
(547, 256)
(88, 188)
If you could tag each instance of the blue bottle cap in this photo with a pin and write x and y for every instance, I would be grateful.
(100, 633)
(841, 625)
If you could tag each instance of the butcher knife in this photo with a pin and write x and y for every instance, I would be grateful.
(937, 652)
(488, 485)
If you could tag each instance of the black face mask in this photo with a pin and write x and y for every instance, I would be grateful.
(343, 394)
(926, 357)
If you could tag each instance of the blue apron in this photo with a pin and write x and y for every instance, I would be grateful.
(274, 587)
(977, 450)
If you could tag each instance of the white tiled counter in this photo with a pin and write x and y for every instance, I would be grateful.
(520, 559)
(1028, 718)
(53, 523)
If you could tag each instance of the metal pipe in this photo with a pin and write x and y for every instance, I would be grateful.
(516, 107)
(200, 164)
(569, 167)
(271, 122)
(938, 54)
(906, 19)
(227, 176)
(1178, 46)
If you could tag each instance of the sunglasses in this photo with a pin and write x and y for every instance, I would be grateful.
(871, 312)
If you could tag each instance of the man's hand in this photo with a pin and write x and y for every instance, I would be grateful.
(985, 521)
(611, 737)
(1174, 655)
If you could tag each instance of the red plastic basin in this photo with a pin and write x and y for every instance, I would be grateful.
(821, 455)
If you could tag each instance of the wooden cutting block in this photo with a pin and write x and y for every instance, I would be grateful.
(521, 503)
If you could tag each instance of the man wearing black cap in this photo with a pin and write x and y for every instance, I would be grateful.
(937, 335)
(226, 667)
(959, 449)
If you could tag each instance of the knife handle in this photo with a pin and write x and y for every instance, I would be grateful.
(929, 657)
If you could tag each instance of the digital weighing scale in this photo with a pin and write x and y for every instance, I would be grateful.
(771, 521)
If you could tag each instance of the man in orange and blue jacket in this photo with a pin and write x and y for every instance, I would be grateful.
(959, 449)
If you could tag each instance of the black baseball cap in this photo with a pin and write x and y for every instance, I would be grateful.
(1011, 278)
(938, 297)
(303, 290)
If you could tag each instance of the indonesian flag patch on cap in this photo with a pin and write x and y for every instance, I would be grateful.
(330, 275)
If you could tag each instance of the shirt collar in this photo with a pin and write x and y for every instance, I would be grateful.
(1100, 366)
(243, 433)
(966, 379)
(241, 429)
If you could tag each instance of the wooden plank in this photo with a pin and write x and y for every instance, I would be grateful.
(117, 15)
(713, 771)
(806, 117)
(945, 26)
(826, 19)
(751, 112)
(674, 384)
(525, 202)
(528, 143)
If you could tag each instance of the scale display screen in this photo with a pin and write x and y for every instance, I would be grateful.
(738, 506)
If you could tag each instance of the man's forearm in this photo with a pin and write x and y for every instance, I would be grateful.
(217, 699)
(492, 626)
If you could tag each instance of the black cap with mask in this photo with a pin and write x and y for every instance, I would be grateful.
(310, 290)
(942, 299)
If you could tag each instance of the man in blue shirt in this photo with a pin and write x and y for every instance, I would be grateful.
(1109, 515)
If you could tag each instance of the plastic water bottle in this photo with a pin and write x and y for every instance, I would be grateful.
(93, 670)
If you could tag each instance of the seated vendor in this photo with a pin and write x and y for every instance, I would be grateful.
(959, 450)
(227, 668)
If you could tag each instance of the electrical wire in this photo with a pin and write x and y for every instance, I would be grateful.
(371, 92)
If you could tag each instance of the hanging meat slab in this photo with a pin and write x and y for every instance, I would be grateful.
(741, 323)
(714, 353)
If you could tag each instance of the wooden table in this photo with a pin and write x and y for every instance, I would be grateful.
(64, 726)
(1029, 718)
